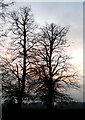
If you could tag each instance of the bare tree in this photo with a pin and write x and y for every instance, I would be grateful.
(3, 7)
(17, 66)
(37, 61)
(52, 68)
(3, 13)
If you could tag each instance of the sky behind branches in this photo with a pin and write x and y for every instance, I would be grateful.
(46, 0)
(64, 14)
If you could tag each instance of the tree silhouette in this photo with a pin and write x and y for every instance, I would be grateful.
(3, 13)
(15, 70)
(36, 61)
(3, 7)
(53, 73)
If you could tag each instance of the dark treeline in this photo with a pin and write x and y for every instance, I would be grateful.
(37, 67)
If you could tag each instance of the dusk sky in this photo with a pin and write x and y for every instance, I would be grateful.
(46, 0)
(64, 14)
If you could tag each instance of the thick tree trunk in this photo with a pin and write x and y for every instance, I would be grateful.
(51, 87)
(24, 61)
(24, 70)
(50, 97)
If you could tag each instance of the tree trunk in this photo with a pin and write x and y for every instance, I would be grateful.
(24, 70)
(50, 97)
(50, 88)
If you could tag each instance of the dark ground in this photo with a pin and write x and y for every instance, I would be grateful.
(14, 113)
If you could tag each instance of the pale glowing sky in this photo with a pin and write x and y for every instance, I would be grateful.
(64, 14)
(47, 0)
